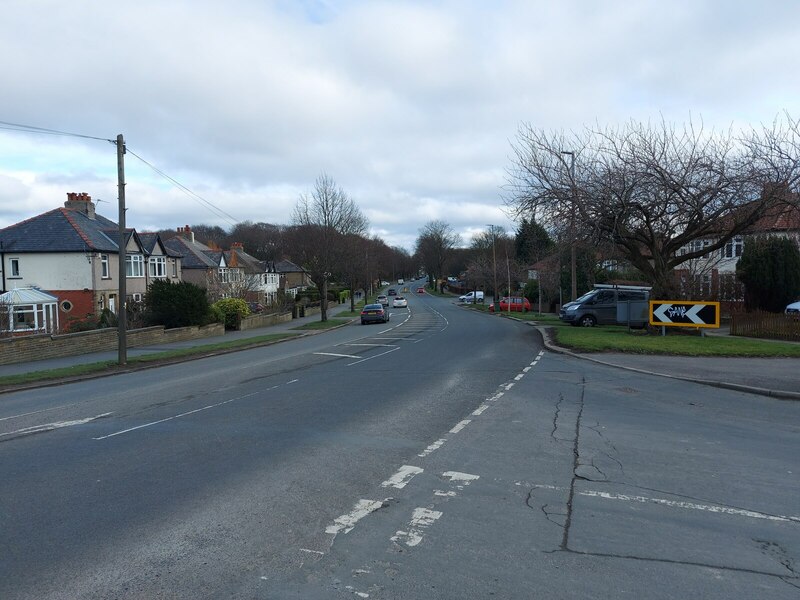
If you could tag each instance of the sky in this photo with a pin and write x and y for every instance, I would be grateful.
(411, 107)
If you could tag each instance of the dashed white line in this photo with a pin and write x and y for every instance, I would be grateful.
(520, 376)
(479, 411)
(432, 448)
(345, 523)
(460, 426)
(400, 479)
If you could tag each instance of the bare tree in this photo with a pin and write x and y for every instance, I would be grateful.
(434, 246)
(651, 190)
(323, 221)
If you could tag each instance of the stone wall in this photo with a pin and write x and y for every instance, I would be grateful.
(263, 320)
(43, 346)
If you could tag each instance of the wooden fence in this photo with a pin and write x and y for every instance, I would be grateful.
(766, 325)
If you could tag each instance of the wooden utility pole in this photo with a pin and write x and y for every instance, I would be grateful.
(122, 308)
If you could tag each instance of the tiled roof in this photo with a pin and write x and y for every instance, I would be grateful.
(61, 230)
(194, 254)
(287, 266)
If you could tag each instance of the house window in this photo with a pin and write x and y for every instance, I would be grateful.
(697, 246)
(15, 267)
(174, 268)
(105, 272)
(134, 265)
(135, 297)
(223, 275)
(734, 247)
(157, 267)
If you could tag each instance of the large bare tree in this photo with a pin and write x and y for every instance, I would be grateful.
(324, 219)
(434, 246)
(651, 189)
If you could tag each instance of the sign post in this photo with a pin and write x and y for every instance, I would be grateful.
(684, 313)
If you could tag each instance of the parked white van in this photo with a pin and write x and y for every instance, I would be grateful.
(471, 297)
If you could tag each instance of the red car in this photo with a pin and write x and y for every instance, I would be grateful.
(517, 305)
(421, 290)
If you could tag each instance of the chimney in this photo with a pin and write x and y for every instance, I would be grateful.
(80, 202)
(186, 233)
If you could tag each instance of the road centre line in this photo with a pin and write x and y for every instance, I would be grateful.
(185, 414)
(371, 345)
(334, 354)
(520, 376)
(460, 426)
(400, 479)
(432, 448)
(479, 411)
(421, 519)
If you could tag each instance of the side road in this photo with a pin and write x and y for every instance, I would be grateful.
(775, 377)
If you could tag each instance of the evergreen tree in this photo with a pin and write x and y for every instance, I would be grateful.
(769, 268)
(532, 242)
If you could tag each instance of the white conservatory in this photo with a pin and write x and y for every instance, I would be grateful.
(28, 310)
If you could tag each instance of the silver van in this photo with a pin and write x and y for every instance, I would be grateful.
(600, 306)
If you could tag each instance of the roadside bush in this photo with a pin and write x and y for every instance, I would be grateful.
(769, 268)
(232, 309)
(176, 304)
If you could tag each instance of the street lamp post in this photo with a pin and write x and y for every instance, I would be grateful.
(573, 268)
(494, 268)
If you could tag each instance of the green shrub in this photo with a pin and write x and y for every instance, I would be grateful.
(232, 309)
(176, 304)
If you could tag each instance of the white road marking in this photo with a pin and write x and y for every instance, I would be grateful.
(520, 376)
(345, 523)
(460, 426)
(287, 383)
(526, 369)
(185, 414)
(738, 512)
(312, 551)
(433, 447)
(465, 478)
(693, 506)
(51, 426)
(442, 493)
(371, 345)
(400, 479)
(376, 356)
(508, 386)
(339, 355)
(421, 519)
(36, 412)
(479, 411)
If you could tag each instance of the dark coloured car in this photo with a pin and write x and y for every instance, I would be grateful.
(374, 313)
(391, 292)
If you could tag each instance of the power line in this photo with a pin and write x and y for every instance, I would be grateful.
(33, 129)
(219, 212)
(43, 130)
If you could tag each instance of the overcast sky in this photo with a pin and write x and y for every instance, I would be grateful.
(410, 106)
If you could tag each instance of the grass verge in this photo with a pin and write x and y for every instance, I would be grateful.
(166, 356)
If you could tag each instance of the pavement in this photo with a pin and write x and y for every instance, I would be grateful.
(774, 377)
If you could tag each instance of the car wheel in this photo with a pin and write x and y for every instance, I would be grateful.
(363, 322)
(588, 321)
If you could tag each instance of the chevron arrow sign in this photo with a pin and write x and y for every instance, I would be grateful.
(680, 313)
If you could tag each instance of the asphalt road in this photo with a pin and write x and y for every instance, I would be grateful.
(443, 455)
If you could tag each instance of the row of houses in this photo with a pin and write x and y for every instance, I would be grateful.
(72, 255)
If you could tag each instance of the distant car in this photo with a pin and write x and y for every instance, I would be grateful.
(420, 290)
(400, 282)
(399, 302)
(392, 292)
(516, 304)
(793, 308)
(374, 313)
(384, 300)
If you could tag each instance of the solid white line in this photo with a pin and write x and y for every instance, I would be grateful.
(191, 412)
(691, 505)
(51, 426)
(371, 357)
(345, 523)
(460, 426)
(372, 345)
(400, 479)
(36, 412)
(339, 355)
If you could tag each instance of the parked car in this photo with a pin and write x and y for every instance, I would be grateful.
(255, 307)
(399, 302)
(599, 306)
(516, 305)
(374, 313)
(793, 308)
(391, 292)
(383, 300)
(471, 297)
